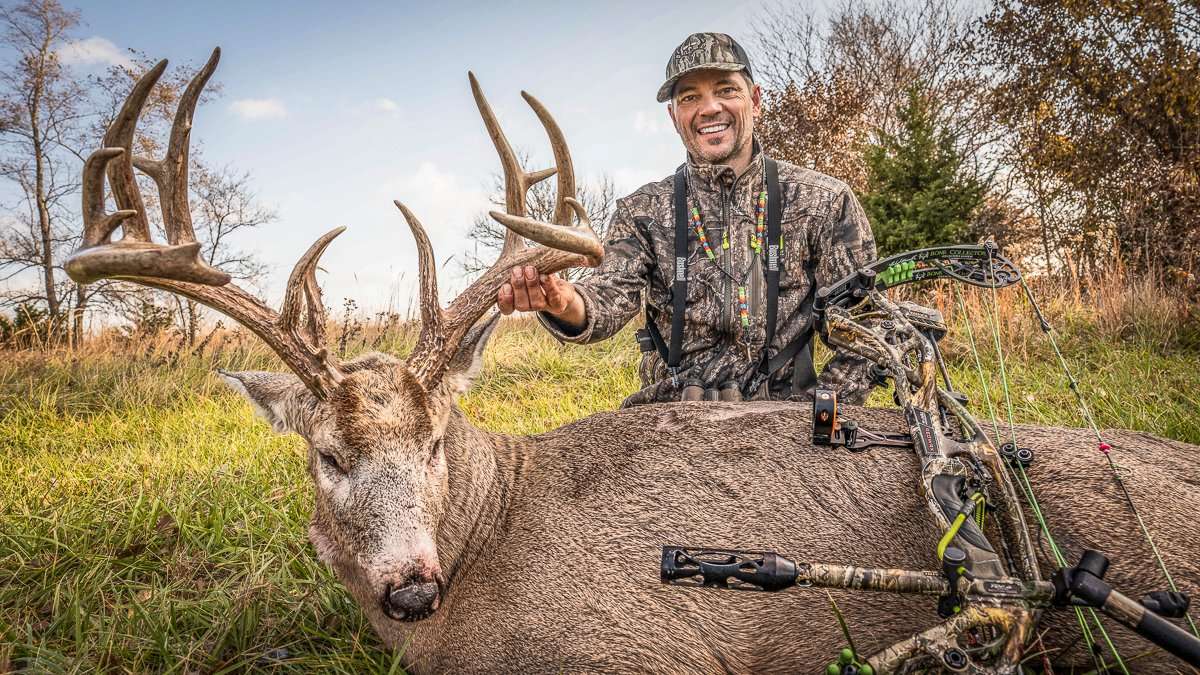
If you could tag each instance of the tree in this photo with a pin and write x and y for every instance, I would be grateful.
(830, 83)
(29, 327)
(599, 199)
(1103, 100)
(42, 109)
(918, 193)
(820, 123)
(223, 202)
(49, 120)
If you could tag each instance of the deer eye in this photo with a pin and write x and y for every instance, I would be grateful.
(330, 461)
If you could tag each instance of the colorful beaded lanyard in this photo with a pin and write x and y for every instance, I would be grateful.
(756, 242)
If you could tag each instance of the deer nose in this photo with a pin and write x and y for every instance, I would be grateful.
(412, 602)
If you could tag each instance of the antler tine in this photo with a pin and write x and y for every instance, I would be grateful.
(580, 238)
(135, 255)
(316, 317)
(516, 181)
(98, 226)
(431, 308)
(562, 160)
(301, 288)
(120, 173)
(176, 267)
(171, 173)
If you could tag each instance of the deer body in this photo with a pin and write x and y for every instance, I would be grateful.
(557, 539)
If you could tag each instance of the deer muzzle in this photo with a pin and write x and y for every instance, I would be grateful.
(413, 602)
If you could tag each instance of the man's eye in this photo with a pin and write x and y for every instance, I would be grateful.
(331, 462)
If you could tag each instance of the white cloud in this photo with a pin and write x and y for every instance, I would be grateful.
(259, 108)
(386, 105)
(439, 200)
(649, 124)
(93, 50)
(446, 208)
(627, 179)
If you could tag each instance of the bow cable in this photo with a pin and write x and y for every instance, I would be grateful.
(1104, 447)
(1026, 487)
(987, 394)
(1089, 641)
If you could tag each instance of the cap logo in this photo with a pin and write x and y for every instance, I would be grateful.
(689, 52)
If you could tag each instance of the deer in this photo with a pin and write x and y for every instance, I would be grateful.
(474, 551)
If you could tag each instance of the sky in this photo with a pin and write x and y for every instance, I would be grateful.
(337, 109)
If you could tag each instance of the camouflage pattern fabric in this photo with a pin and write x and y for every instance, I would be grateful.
(703, 51)
(826, 236)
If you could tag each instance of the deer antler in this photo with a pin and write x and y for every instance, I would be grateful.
(296, 333)
(564, 245)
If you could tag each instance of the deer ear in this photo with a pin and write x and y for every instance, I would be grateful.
(468, 360)
(274, 395)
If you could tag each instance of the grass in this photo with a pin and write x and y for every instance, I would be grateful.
(149, 523)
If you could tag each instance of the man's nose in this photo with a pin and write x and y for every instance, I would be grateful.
(709, 105)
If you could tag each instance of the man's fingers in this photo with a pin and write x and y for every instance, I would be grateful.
(558, 293)
(528, 291)
(520, 290)
(504, 298)
(537, 299)
(537, 295)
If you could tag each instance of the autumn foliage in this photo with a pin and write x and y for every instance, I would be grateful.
(1081, 118)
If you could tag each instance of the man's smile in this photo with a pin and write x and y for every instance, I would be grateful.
(713, 128)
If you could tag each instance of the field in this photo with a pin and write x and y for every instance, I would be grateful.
(148, 522)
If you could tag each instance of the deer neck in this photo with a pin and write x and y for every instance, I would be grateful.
(478, 494)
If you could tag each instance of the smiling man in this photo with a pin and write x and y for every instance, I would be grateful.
(727, 253)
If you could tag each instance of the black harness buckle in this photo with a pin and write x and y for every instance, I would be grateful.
(645, 341)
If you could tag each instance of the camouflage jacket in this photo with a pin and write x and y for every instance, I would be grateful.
(825, 237)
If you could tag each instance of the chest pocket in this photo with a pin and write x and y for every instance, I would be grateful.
(704, 287)
(797, 263)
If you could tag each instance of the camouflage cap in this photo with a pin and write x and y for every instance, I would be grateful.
(702, 51)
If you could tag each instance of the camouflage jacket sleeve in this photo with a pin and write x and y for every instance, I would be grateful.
(843, 248)
(612, 294)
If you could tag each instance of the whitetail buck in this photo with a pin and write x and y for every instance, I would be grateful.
(480, 552)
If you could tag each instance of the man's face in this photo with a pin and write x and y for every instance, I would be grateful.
(714, 112)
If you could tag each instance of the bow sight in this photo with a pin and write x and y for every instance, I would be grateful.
(990, 600)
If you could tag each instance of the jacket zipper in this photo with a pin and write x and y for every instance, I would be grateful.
(728, 264)
(731, 311)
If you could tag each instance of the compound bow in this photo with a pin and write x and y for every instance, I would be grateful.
(991, 600)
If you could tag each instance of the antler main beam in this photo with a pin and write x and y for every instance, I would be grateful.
(563, 245)
(296, 333)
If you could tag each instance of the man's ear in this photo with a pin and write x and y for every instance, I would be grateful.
(276, 397)
(671, 114)
(468, 360)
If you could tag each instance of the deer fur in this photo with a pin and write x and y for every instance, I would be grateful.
(546, 548)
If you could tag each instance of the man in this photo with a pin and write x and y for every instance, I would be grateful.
(722, 277)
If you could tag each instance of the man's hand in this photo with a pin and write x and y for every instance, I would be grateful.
(528, 291)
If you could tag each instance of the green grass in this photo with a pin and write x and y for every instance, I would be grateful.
(149, 523)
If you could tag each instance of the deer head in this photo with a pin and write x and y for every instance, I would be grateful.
(376, 427)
